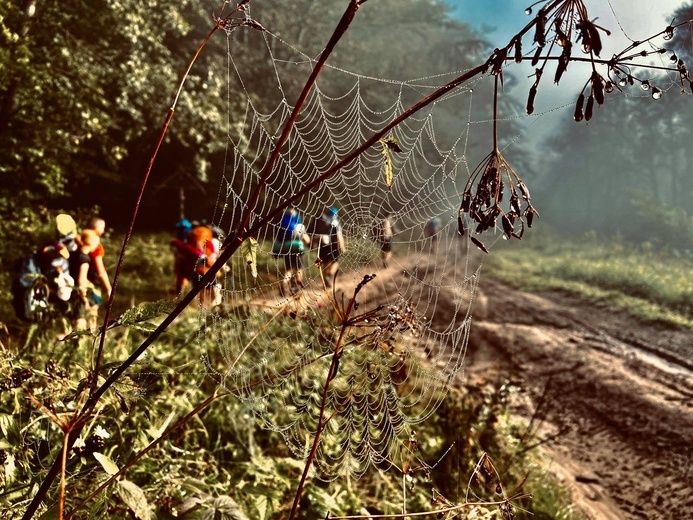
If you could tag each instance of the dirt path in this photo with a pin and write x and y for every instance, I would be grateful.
(615, 396)
(626, 413)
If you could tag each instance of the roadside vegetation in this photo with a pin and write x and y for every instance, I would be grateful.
(653, 284)
(219, 462)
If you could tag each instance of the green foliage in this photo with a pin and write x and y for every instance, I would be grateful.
(219, 463)
(611, 272)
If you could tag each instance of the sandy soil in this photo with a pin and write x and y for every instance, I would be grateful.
(621, 393)
(614, 397)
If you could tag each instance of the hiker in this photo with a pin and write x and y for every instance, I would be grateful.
(432, 228)
(328, 232)
(85, 300)
(383, 233)
(193, 258)
(42, 281)
(97, 270)
(290, 243)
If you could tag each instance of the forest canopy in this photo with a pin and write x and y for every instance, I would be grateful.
(86, 86)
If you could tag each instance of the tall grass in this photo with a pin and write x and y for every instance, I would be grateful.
(653, 285)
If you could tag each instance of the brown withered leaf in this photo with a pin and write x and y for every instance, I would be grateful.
(479, 244)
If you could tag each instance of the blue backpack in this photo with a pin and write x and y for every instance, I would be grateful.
(289, 237)
(30, 291)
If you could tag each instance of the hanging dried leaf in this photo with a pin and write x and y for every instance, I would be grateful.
(478, 244)
(530, 99)
(460, 226)
(598, 88)
(390, 144)
(518, 51)
(589, 108)
(249, 252)
(578, 115)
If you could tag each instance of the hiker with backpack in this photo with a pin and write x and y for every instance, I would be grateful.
(85, 300)
(290, 243)
(193, 257)
(42, 284)
(327, 231)
(97, 271)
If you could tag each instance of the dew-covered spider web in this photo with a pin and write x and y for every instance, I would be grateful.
(409, 309)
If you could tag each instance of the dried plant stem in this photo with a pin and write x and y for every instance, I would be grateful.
(321, 420)
(495, 114)
(63, 464)
(128, 235)
(94, 395)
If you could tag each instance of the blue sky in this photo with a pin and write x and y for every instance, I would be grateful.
(639, 18)
(634, 19)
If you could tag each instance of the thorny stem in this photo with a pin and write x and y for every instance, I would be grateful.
(94, 393)
(321, 422)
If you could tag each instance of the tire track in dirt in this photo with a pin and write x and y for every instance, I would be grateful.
(621, 415)
(628, 450)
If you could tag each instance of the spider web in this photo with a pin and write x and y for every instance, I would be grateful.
(411, 317)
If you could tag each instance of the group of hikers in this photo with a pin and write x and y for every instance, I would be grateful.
(196, 249)
(67, 275)
(325, 232)
(64, 275)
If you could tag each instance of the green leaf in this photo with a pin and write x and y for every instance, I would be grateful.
(10, 429)
(261, 504)
(224, 508)
(134, 498)
(144, 312)
(107, 464)
(249, 251)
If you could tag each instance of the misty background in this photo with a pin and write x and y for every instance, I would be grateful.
(83, 98)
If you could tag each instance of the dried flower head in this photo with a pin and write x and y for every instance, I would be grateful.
(484, 194)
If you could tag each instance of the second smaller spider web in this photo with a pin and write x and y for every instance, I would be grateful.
(408, 316)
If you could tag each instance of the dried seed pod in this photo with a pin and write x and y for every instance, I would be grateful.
(518, 51)
(466, 202)
(598, 88)
(537, 55)
(540, 30)
(530, 99)
(589, 108)
(479, 244)
(507, 226)
(515, 203)
(560, 68)
(460, 225)
(578, 115)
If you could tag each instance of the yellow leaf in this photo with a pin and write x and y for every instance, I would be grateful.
(249, 250)
(107, 464)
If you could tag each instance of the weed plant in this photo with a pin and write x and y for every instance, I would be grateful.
(220, 461)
